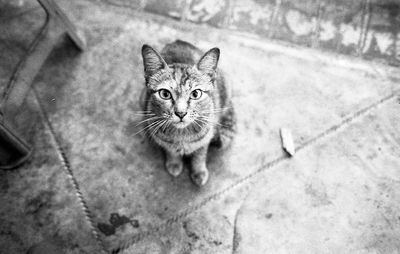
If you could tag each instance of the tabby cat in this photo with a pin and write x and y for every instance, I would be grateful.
(186, 105)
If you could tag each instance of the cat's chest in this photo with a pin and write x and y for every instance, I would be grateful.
(186, 145)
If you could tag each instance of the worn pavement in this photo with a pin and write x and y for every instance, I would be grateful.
(92, 185)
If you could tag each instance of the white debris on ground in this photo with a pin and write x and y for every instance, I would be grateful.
(287, 141)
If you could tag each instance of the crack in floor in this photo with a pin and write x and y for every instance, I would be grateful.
(236, 236)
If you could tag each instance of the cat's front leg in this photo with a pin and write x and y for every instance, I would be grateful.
(226, 132)
(199, 172)
(173, 163)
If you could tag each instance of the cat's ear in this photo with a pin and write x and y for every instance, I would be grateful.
(209, 61)
(152, 61)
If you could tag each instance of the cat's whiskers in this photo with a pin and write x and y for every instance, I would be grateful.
(148, 119)
(159, 122)
(197, 124)
(166, 126)
(216, 110)
(158, 126)
(143, 113)
(208, 120)
(148, 127)
(138, 118)
(203, 121)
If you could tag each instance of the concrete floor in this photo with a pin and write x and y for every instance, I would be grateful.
(340, 193)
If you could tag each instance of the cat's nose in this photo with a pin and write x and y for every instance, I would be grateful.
(181, 115)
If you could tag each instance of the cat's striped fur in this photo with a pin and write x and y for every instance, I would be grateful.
(187, 105)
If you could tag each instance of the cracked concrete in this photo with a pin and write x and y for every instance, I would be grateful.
(237, 238)
(337, 195)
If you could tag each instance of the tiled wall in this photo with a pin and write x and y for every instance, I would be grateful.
(362, 28)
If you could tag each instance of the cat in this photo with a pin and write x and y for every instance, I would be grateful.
(187, 105)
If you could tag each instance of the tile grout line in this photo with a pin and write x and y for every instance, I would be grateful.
(330, 131)
(68, 170)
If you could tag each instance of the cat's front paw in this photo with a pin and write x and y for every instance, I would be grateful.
(200, 178)
(174, 168)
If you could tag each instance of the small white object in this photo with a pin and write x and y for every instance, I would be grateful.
(287, 141)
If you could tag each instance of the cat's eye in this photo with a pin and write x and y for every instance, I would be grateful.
(164, 94)
(196, 94)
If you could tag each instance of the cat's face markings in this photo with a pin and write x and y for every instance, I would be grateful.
(185, 102)
(181, 94)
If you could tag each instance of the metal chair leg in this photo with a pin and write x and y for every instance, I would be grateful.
(13, 150)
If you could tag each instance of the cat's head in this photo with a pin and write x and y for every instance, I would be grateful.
(180, 94)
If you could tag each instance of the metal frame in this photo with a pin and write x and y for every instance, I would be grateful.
(56, 25)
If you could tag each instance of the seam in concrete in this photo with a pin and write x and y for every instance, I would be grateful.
(236, 236)
(273, 19)
(361, 35)
(68, 170)
(347, 121)
(317, 28)
(330, 131)
(367, 24)
(365, 21)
